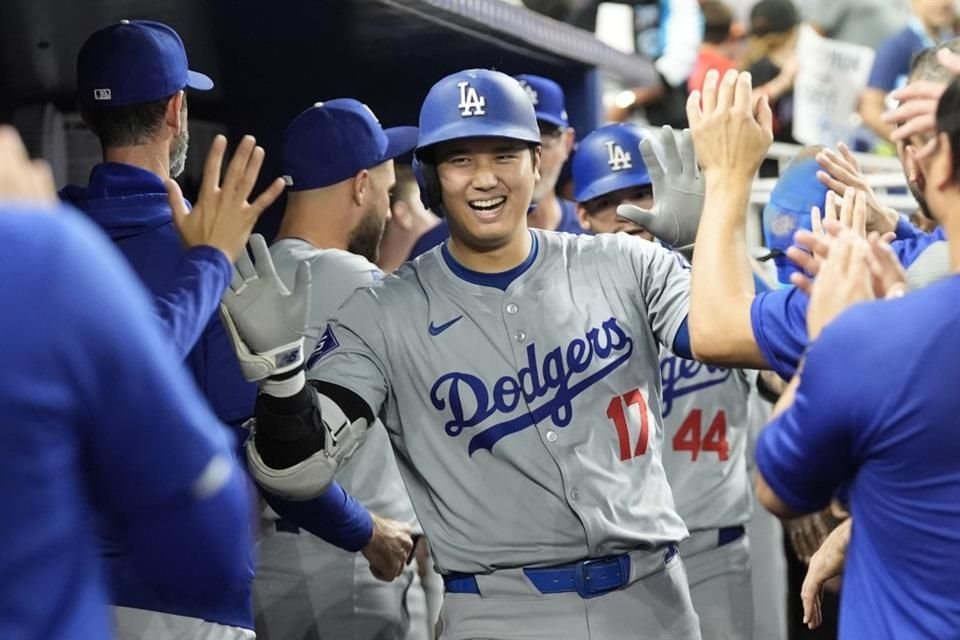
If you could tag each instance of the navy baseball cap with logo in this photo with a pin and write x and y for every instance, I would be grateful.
(133, 62)
(334, 140)
(547, 98)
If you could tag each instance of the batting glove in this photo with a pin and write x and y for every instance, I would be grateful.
(678, 190)
(265, 321)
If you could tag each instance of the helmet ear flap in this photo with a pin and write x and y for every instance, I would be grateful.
(429, 183)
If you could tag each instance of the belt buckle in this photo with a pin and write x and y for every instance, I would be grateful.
(585, 578)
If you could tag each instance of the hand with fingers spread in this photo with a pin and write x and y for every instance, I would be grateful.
(825, 564)
(731, 130)
(266, 321)
(222, 218)
(678, 190)
(843, 280)
(848, 211)
(22, 178)
(840, 171)
(389, 548)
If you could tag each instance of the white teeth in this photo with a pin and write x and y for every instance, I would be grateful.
(493, 203)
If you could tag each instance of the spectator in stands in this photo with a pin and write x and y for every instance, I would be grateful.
(771, 59)
(863, 22)
(669, 32)
(721, 41)
(932, 22)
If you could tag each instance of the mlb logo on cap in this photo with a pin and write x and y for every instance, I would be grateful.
(134, 62)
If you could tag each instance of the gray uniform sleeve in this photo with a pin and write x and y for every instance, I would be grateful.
(664, 279)
(352, 351)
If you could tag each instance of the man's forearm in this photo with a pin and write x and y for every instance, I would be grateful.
(723, 289)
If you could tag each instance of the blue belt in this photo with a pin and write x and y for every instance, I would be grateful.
(589, 578)
(726, 535)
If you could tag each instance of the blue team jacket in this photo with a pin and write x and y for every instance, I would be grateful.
(130, 204)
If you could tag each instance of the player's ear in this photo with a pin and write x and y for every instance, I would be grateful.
(569, 139)
(945, 164)
(360, 187)
(173, 115)
(583, 218)
(535, 156)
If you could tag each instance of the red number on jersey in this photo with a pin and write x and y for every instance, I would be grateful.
(688, 437)
(616, 412)
(716, 437)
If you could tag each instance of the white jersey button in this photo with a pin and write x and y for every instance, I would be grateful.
(519, 336)
(512, 308)
(551, 436)
(575, 495)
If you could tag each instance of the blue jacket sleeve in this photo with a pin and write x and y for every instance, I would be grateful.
(193, 296)
(335, 516)
(161, 465)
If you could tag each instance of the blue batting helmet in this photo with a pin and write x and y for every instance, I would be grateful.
(608, 160)
(796, 192)
(477, 103)
(470, 104)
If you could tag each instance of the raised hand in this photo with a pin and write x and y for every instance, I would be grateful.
(266, 321)
(222, 218)
(843, 280)
(678, 190)
(731, 130)
(21, 178)
(842, 171)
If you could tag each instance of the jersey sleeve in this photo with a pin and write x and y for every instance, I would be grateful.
(808, 451)
(664, 279)
(352, 351)
(193, 296)
(779, 322)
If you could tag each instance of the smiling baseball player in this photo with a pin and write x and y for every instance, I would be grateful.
(521, 392)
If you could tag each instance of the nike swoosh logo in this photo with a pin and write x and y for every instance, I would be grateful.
(436, 330)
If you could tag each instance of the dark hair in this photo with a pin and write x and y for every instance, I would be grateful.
(717, 20)
(948, 122)
(925, 65)
(128, 125)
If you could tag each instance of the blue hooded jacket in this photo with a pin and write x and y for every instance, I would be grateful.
(130, 204)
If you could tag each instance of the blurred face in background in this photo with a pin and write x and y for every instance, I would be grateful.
(556, 143)
(935, 14)
(599, 215)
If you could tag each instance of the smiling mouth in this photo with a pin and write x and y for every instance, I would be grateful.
(488, 207)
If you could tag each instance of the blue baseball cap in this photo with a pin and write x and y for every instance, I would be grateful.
(796, 192)
(547, 98)
(334, 140)
(609, 159)
(133, 62)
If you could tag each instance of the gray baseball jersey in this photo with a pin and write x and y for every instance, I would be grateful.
(526, 419)
(706, 427)
(371, 476)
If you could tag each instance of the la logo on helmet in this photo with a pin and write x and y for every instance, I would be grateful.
(619, 159)
(471, 104)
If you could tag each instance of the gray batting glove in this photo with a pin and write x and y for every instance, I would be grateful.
(265, 321)
(678, 190)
